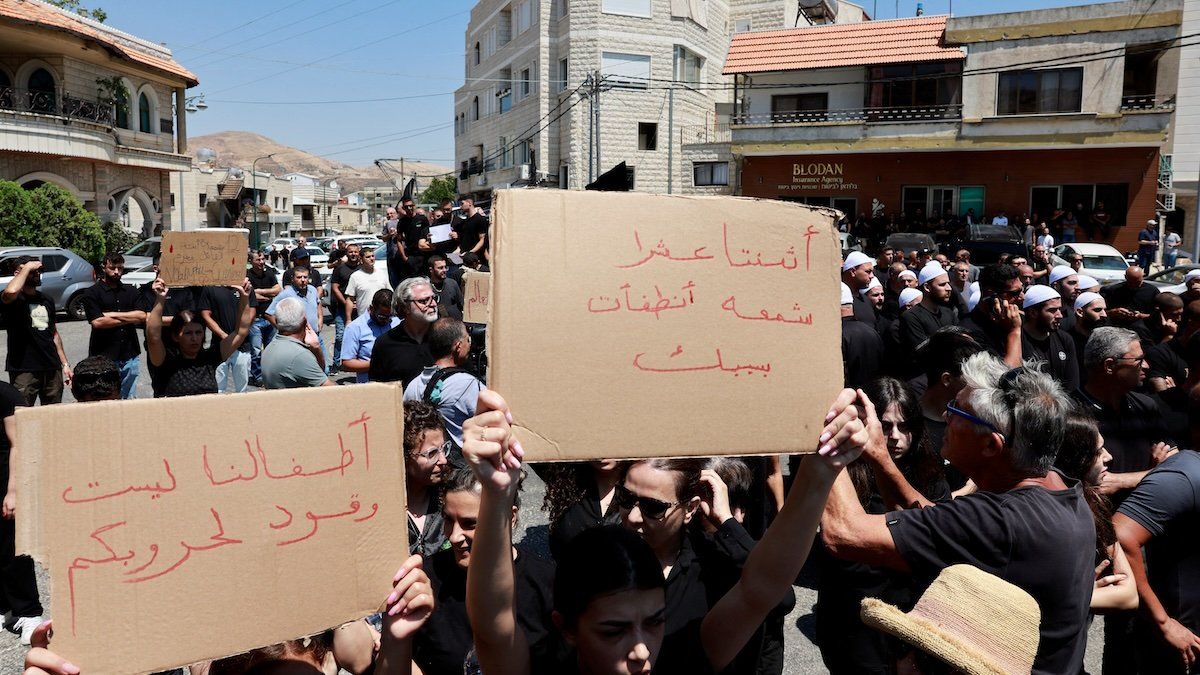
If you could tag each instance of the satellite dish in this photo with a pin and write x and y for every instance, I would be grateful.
(236, 172)
(206, 155)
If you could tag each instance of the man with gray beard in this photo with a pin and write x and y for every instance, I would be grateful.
(401, 353)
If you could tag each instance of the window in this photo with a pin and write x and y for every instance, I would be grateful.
(564, 176)
(1044, 200)
(526, 85)
(172, 200)
(914, 85)
(1028, 92)
(476, 53)
(562, 75)
(505, 154)
(53, 262)
(627, 7)
(144, 114)
(1141, 75)
(688, 65)
(524, 152)
(558, 9)
(42, 95)
(285, 202)
(647, 136)
(522, 16)
(625, 70)
(121, 103)
(742, 25)
(203, 200)
(799, 107)
(475, 109)
(710, 173)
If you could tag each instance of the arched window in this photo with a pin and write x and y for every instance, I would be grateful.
(42, 97)
(476, 53)
(144, 114)
(6, 93)
(475, 109)
(121, 101)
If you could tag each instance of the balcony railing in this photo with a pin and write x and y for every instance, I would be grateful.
(933, 113)
(696, 134)
(1147, 103)
(45, 102)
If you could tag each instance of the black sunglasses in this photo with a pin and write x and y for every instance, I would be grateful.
(654, 509)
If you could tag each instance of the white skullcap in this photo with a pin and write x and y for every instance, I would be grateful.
(847, 296)
(1086, 282)
(1086, 299)
(1191, 275)
(855, 259)
(908, 295)
(907, 274)
(1061, 272)
(874, 284)
(1036, 295)
(973, 300)
(930, 272)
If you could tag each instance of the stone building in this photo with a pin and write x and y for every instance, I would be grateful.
(64, 120)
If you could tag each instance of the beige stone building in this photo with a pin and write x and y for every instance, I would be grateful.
(114, 149)
(210, 196)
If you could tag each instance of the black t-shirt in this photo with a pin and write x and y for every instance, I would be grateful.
(470, 230)
(1167, 504)
(341, 277)
(29, 322)
(582, 515)
(1128, 432)
(268, 279)
(1042, 541)
(10, 400)
(178, 376)
(223, 302)
(396, 357)
(1057, 351)
(414, 229)
(993, 341)
(918, 323)
(864, 311)
(118, 344)
(862, 352)
(1121, 295)
(441, 646)
(450, 298)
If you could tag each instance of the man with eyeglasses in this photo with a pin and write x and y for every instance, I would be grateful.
(995, 323)
(447, 384)
(400, 354)
(1042, 338)
(1027, 523)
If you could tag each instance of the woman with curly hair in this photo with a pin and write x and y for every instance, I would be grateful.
(579, 496)
(425, 468)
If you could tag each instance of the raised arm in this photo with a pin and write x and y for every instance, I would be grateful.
(895, 489)
(155, 348)
(494, 456)
(231, 342)
(407, 609)
(17, 283)
(776, 561)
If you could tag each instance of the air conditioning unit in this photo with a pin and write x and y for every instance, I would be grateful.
(525, 171)
(481, 179)
(1168, 202)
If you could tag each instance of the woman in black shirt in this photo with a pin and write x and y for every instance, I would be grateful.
(188, 368)
(579, 496)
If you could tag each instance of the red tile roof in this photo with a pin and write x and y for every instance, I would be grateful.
(40, 15)
(849, 44)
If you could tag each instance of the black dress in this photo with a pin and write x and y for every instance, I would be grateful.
(181, 376)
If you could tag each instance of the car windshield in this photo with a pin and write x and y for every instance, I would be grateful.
(909, 242)
(147, 248)
(993, 233)
(1172, 276)
(1104, 262)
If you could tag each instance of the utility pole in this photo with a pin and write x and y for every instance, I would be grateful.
(591, 127)
(671, 136)
(599, 129)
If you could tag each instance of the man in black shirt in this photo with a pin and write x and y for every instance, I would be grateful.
(449, 293)
(995, 323)
(400, 354)
(1131, 300)
(472, 228)
(1042, 339)
(918, 323)
(1027, 524)
(414, 228)
(1091, 312)
(111, 308)
(862, 348)
(1065, 280)
(220, 309)
(341, 310)
(37, 365)
(857, 272)
(265, 282)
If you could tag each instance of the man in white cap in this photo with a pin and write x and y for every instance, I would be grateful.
(862, 348)
(933, 312)
(898, 358)
(1087, 283)
(1091, 312)
(995, 320)
(1191, 284)
(1147, 244)
(857, 274)
(874, 296)
(1065, 280)
(1043, 340)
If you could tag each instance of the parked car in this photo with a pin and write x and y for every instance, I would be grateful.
(363, 240)
(140, 276)
(284, 242)
(1100, 261)
(65, 275)
(143, 253)
(1171, 280)
(987, 243)
(910, 241)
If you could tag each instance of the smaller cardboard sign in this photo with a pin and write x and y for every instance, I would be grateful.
(208, 258)
(477, 290)
(211, 525)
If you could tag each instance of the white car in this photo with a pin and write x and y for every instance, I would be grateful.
(317, 259)
(283, 242)
(1100, 261)
(140, 276)
(363, 240)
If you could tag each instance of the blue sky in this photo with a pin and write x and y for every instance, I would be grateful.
(288, 51)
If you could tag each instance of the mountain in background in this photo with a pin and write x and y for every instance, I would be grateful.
(240, 148)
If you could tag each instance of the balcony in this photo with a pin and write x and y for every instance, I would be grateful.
(934, 113)
(1147, 103)
(42, 102)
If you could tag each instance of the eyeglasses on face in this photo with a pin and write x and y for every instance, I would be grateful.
(952, 409)
(655, 509)
(434, 452)
(428, 302)
(1135, 361)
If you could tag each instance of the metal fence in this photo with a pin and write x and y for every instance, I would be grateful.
(48, 102)
(890, 114)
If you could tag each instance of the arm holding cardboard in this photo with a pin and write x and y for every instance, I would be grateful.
(408, 607)
(495, 457)
(155, 349)
(231, 342)
(776, 561)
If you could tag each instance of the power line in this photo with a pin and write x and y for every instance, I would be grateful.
(228, 31)
(274, 31)
(336, 102)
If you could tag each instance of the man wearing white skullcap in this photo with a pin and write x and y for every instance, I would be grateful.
(1042, 339)
(1091, 312)
(1191, 285)
(1087, 283)
(862, 348)
(933, 312)
(874, 294)
(995, 321)
(908, 298)
(1066, 281)
(857, 274)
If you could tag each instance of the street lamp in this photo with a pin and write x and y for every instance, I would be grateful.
(256, 236)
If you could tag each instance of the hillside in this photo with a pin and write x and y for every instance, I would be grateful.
(240, 148)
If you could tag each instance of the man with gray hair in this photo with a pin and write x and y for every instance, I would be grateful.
(400, 354)
(1027, 523)
(294, 358)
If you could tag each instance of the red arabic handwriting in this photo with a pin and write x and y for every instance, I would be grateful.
(280, 526)
(86, 563)
(758, 369)
(362, 419)
(787, 261)
(685, 298)
(730, 305)
(355, 505)
(219, 540)
(157, 489)
(347, 459)
(660, 250)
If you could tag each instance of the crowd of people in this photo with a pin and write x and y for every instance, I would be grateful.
(1003, 465)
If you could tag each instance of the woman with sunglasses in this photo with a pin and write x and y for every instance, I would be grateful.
(1083, 456)
(425, 468)
(847, 646)
(609, 594)
(579, 496)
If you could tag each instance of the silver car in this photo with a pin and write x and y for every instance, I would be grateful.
(64, 275)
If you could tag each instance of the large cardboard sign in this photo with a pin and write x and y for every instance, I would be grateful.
(633, 325)
(477, 289)
(208, 258)
(178, 530)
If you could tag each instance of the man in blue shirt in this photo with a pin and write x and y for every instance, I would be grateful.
(1147, 244)
(360, 335)
(300, 289)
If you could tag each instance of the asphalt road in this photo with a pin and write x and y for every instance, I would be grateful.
(801, 654)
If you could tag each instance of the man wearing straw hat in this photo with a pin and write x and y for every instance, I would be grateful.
(1027, 524)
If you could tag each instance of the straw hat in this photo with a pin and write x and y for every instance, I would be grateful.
(976, 622)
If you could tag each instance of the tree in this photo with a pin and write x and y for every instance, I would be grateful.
(65, 222)
(116, 238)
(17, 222)
(77, 7)
(439, 189)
